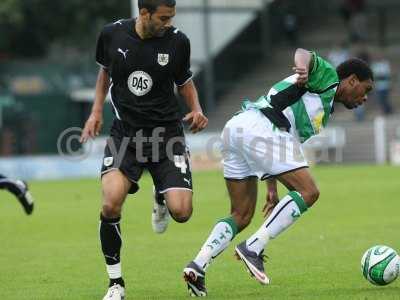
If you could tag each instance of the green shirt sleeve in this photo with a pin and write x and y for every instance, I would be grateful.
(322, 76)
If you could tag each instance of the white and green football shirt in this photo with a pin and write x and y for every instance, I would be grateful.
(303, 111)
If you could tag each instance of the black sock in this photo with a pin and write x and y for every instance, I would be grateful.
(160, 198)
(119, 281)
(110, 238)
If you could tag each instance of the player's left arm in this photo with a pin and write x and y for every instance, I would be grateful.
(198, 120)
(186, 88)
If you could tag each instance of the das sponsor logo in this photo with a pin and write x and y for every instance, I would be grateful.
(140, 83)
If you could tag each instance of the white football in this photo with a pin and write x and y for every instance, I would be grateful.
(380, 265)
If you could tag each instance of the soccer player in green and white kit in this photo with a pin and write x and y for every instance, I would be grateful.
(263, 141)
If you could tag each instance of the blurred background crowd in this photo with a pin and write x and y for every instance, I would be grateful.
(239, 49)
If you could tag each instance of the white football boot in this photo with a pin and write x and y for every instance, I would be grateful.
(115, 292)
(160, 215)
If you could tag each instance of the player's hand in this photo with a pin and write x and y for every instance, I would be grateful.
(271, 201)
(302, 75)
(92, 127)
(197, 119)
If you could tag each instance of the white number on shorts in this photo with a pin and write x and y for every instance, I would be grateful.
(180, 163)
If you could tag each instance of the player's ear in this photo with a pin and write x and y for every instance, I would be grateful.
(353, 80)
(144, 12)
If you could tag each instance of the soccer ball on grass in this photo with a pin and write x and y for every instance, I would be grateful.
(380, 265)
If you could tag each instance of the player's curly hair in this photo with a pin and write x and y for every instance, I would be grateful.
(151, 5)
(355, 66)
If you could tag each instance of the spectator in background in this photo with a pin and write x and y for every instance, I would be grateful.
(290, 24)
(339, 54)
(382, 70)
(289, 20)
(353, 13)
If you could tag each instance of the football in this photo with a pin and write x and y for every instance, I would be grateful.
(380, 265)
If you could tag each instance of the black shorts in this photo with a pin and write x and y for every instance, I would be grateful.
(162, 151)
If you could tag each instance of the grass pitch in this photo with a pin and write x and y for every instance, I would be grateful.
(55, 253)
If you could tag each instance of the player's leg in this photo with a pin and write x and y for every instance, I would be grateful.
(20, 190)
(270, 151)
(174, 202)
(179, 203)
(172, 178)
(242, 187)
(243, 195)
(304, 193)
(115, 188)
(120, 174)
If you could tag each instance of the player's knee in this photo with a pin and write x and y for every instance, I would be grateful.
(112, 205)
(182, 216)
(180, 207)
(110, 210)
(311, 195)
(242, 220)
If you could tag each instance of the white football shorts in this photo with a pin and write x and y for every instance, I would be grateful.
(253, 146)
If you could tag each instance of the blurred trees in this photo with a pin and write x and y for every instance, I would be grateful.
(29, 27)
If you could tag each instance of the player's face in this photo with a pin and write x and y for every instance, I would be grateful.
(160, 20)
(356, 92)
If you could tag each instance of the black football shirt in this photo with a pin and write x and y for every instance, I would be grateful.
(143, 72)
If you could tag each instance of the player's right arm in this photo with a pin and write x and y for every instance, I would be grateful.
(272, 198)
(282, 98)
(302, 65)
(95, 121)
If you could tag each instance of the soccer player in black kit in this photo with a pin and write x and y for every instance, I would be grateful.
(141, 60)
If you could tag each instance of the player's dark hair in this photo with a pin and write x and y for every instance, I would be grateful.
(152, 5)
(355, 66)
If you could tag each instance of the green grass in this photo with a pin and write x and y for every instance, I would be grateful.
(55, 253)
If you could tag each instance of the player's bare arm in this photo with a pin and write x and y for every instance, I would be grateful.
(272, 198)
(302, 65)
(95, 121)
(198, 121)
